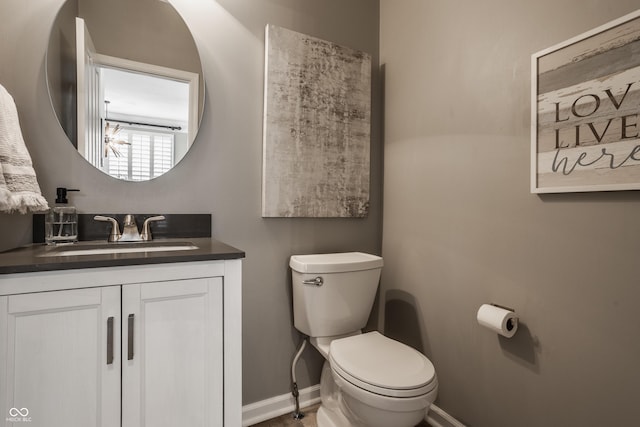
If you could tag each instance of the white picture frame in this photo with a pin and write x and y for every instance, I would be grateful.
(585, 111)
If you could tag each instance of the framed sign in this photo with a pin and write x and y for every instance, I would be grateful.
(585, 112)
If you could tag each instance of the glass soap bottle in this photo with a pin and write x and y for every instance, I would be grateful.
(61, 223)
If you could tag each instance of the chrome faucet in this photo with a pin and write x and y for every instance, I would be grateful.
(129, 228)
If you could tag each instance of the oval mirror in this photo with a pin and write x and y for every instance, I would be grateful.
(126, 84)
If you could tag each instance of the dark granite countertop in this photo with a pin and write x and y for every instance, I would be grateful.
(37, 257)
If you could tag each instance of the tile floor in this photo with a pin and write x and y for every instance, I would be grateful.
(309, 420)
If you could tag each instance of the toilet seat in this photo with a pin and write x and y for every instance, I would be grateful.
(382, 366)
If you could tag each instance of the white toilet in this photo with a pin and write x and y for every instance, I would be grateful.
(367, 379)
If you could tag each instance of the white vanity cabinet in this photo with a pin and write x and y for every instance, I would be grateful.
(172, 353)
(148, 345)
(53, 345)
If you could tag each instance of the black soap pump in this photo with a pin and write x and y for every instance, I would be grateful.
(61, 225)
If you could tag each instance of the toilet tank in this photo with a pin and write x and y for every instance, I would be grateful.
(342, 303)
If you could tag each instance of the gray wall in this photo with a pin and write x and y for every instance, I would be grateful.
(222, 173)
(461, 228)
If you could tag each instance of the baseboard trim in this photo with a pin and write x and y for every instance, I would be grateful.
(437, 417)
(274, 407)
(267, 409)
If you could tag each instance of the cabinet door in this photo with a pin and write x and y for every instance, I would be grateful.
(56, 368)
(172, 354)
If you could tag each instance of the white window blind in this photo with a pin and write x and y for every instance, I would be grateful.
(150, 154)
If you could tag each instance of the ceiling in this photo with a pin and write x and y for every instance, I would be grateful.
(145, 97)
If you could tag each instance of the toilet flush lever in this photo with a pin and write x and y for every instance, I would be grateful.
(318, 281)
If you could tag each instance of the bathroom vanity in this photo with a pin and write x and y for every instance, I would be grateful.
(121, 339)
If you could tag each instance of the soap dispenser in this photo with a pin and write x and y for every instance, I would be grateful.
(61, 224)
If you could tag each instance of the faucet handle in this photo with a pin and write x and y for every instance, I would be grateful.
(146, 230)
(115, 235)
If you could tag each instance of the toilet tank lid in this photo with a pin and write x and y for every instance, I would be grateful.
(334, 263)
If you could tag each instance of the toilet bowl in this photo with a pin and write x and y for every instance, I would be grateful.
(368, 380)
(371, 380)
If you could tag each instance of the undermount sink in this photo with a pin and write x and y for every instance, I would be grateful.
(117, 248)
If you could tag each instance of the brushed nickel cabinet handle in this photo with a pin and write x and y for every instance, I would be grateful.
(110, 340)
(130, 320)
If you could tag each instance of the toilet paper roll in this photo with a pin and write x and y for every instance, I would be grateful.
(498, 319)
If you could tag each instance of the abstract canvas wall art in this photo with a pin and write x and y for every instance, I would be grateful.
(316, 134)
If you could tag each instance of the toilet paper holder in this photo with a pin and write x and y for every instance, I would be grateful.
(503, 307)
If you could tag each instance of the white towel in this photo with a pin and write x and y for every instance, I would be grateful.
(19, 189)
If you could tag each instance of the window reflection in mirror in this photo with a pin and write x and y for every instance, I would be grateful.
(136, 72)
